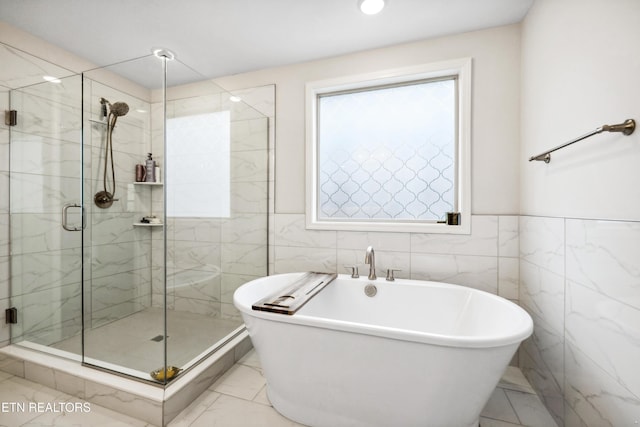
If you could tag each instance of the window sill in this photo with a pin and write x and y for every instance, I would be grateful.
(397, 227)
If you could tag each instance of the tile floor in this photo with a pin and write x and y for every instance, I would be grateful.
(239, 399)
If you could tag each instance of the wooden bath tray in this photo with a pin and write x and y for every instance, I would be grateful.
(298, 293)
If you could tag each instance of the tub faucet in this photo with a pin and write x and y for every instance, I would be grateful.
(370, 258)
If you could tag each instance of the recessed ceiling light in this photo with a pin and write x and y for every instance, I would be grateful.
(51, 79)
(371, 7)
(234, 98)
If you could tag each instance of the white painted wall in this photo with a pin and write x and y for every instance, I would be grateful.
(36, 46)
(495, 110)
(580, 68)
(486, 259)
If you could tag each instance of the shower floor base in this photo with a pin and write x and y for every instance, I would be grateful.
(136, 342)
(151, 403)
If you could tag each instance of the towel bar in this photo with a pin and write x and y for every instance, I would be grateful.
(626, 128)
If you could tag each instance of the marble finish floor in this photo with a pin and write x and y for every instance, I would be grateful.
(129, 341)
(239, 399)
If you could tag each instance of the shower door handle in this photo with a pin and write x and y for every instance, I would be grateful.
(65, 224)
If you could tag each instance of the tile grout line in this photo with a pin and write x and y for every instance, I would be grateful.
(513, 407)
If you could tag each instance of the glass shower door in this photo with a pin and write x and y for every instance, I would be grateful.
(46, 220)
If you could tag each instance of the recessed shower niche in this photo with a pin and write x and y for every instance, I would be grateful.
(91, 280)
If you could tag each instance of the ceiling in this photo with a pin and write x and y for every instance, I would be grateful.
(224, 37)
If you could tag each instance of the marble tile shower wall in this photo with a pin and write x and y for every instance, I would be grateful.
(580, 281)
(117, 253)
(208, 258)
(487, 259)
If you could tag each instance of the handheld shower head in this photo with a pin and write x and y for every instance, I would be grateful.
(104, 199)
(119, 109)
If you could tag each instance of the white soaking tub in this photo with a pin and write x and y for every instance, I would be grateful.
(416, 354)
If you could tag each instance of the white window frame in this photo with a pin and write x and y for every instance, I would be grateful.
(461, 69)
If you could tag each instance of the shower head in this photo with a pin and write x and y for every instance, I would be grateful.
(104, 199)
(119, 109)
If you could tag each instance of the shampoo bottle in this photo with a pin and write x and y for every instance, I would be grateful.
(150, 168)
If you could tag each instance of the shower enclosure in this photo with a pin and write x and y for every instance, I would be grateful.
(145, 283)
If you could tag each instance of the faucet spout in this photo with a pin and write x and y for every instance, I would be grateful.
(370, 258)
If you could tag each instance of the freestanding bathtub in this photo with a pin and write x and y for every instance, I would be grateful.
(415, 354)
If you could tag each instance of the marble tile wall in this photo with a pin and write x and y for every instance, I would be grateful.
(580, 281)
(118, 253)
(487, 259)
(208, 258)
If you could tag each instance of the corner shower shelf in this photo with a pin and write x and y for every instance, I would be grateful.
(146, 224)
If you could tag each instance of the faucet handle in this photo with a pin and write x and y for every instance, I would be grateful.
(390, 271)
(354, 271)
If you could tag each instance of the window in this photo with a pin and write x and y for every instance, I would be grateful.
(197, 178)
(389, 151)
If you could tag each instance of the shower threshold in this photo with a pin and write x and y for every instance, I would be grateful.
(149, 402)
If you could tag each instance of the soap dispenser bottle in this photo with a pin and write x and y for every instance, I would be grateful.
(150, 168)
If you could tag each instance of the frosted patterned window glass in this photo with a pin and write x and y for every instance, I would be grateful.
(388, 153)
(198, 171)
